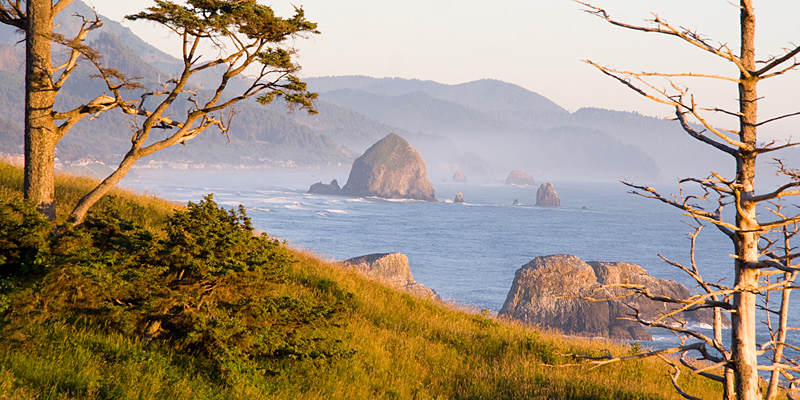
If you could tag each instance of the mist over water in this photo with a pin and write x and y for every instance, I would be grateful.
(465, 252)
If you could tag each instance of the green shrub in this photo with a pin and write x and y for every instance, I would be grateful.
(210, 288)
(24, 238)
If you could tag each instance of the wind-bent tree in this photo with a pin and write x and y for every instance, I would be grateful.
(249, 39)
(761, 227)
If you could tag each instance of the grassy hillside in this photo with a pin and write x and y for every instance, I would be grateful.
(155, 301)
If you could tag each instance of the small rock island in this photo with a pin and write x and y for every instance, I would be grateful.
(459, 198)
(459, 177)
(390, 169)
(520, 177)
(546, 196)
(321, 188)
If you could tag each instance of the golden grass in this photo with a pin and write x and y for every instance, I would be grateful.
(150, 210)
(410, 347)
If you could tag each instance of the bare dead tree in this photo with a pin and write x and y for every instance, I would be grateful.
(762, 268)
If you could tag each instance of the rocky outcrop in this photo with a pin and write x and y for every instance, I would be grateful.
(321, 188)
(459, 177)
(390, 169)
(516, 202)
(520, 177)
(552, 291)
(392, 269)
(459, 198)
(546, 196)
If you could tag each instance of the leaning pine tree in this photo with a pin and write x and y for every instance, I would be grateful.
(760, 230)
(248, 38)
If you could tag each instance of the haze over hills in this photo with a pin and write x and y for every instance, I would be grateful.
(483, 128)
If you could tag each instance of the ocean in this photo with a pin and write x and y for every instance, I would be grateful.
(468, 253)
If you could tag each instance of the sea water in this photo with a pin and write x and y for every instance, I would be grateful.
(467, 253)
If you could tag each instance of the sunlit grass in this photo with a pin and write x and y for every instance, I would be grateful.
(151, 211)
(403, 347)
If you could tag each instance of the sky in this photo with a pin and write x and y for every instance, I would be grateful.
(537, 44)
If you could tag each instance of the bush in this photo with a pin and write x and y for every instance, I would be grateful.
(24, 239)
(210, 288)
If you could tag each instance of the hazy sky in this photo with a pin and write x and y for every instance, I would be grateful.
(537, 44)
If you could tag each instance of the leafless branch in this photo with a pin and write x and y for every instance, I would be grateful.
(662, 27)
(790, 54)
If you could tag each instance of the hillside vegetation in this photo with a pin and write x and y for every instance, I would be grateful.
(152, 300)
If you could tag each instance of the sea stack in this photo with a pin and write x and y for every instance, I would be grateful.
(520, 177)
(546, 196)
(459, 198)
(321, 188)
(459, 177)
(390, 169)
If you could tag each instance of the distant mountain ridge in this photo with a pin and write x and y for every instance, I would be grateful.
(484, 128)
(523, 129)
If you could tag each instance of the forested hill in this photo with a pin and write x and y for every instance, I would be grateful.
(484, 128)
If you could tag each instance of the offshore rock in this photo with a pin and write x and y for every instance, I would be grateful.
(546, 196)
(390, 169)
(520, 177)
(392, 269)
(552, 291)
(459, 198)
(321, 188)
(459, 177)
(516, 202)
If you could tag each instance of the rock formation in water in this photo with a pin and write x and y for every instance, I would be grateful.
(546, 196)
(392, 269)
(321, 188)
(459, 177)
(520, 177)
(516, 202)
(459, 198)
(390, 169)
(551, 291)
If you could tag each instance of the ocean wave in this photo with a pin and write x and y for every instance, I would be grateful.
(396, 200)
(356, 200)
(277, 200)
(337, 211)
(295, 206)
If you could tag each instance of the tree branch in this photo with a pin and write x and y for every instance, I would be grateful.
(779, 61)
(664, 28)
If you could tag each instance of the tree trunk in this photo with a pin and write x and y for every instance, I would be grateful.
(743, 330)
(87, 201)
(40, 129)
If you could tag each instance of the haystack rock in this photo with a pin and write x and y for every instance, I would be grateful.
(321, 188)
(459, 198)
(459, 177)
(546, 196)
(390, 169)
(520, 177)
(552, 291)
(392, 269)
